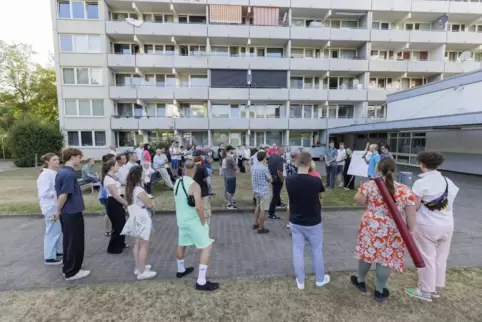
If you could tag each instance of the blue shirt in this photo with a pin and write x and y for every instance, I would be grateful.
(332, 154)
(372, 165)
(260, 179)
(66, 183)
(207, 165)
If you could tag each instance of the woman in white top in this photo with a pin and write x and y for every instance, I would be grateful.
(135, 194)
(434, 200)
(115, 207)
(48, 205)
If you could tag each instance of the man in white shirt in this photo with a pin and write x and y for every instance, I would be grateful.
(340, 162)
(113, 150)
(123, 170)
(139, 151)
(161, 165)
(175, 153)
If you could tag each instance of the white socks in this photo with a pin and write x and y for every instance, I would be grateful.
(201, 278)
(180, 266)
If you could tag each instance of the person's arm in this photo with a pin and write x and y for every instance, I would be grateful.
(322, 189)
(410, 210)
(143, 197)
(361, 196)
(366, 152)
(196, 192)
(418, 202)
(66, 187)
(113, 192)
(43, 187)
(268, 176)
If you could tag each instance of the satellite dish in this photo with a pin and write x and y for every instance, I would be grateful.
(466, 55)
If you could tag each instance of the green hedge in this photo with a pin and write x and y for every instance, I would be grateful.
(28, 140)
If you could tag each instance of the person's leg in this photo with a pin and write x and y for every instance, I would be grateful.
(298, 254)
(280, 202)
(382, 274)
(233, 190)
(135, 252)
(184, 240)
(68, 241)
(314, 234)
(257, 212)
(264, 204)
(363, 268)
(442, 253)
(327, 170)
(142, 255)
(58, 233)
(166, 177)
(117, 216)
(148, 188)
(50, 241)
(210, 176)
(426, 243)
(107, 225)
(207, 208)
(333, 176)
(73, 228)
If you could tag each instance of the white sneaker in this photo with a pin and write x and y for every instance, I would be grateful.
(150, 196)
(325, 281)
(146, 275)
(81, 274)
(147, 268)
(301, 286)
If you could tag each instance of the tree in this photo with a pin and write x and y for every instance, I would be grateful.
(29, 139)
(26, 88)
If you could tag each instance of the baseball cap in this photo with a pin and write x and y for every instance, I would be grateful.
(198, 153)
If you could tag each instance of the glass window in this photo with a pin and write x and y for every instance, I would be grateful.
(349, 24)
(274, 52)
(126, 138)
(259, 111)
(242, 111)
(169, 50)
(170, 81)
(220, 137)
(70, 107)
(92, 11)
(66, 43)
(308, 83)
(198, 110)
(234, 111)
(82, 76)
(403, 143)
(138, 110)
(94, 44)
(418, 145)
(160, 80)
(295, 138)
(161, 110)
(150, 109)
(64, 11)
(220, 110)
(403, 159)
(274, 137)
(84, 107)
(73, 138)
(78, 13)
(271, 111)
(307, 111)
(345, 111)
(124, 49)
(124, 109)
(81, 43)
(332, 111)
(86, 138)
(199, 138)
(219, 51)
(98, 107)
(99, 138)
(199, 81)
(68, 75)
(296, 82)
(295, 111)
(96, 76)
(297, 53)
(259, 138)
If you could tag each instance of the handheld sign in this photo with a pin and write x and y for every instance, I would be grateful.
(358, 166)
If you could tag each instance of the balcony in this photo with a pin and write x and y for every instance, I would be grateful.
(229, 123)
(155, 93)
(172, 29)
(120, 60)
(269, 32)
(192, 123)
(359, 65)
(432, 37)
(316, 64)
(392, 5)
(402, 36)
(303, 33)
(143, 123)
(461, 67)
(465, 7)
(269, 3)
(221, 94)
(473, 38)
(308, 94)
(362, 5)
(379, 94)
(318, 4)
(117, 28)
(378, 65)
(149, 61)
(355, 95)
(74, 59)
(332, 122)
(191, 93)
(431, 6)
(122, 92)
(350, 34)
(268, 124)
(276, 94)
(304, 124)
(200, 62)
(426, 66)
(228, 31)
(226, 62)
(276, 63)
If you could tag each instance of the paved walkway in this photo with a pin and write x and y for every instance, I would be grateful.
(238, 250)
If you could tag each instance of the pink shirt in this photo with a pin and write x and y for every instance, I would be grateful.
(147, 156)
(315, 174)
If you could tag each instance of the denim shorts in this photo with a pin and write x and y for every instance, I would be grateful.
(175, 163)
(230, 185)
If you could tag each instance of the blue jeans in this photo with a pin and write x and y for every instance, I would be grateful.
(314, 236)
(91, 180)
(331, 176)
(53, 230)
(210, 174)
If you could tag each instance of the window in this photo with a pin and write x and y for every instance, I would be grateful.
(199, 138)
(272, 111)
(124, 49)
(193, 110)
(80, 43)
(64, 9)
(86, 138)
(78, 10)
(297, 53)
(161, 110)
(296, 82)
(138, 110)
(345, 111)
(349, 24)
(82, 76)
(274, 52)
(259, 138)
(199, 81)
(295, 138)
(219, 51)
(296, 111)
(220, 110)
(307, 111)
(220, 137)
(274, 137)
(92, 10)
(66, 43)
(124, 109)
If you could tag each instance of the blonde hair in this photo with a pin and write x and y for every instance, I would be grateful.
(46, 158)
(312, 166)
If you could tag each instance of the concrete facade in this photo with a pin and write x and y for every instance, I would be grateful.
(123, 83)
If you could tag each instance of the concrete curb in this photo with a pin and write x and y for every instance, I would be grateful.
(218, 211)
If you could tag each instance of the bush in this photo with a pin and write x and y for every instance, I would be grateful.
(30, 139)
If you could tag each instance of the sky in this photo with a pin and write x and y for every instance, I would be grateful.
(32, 26)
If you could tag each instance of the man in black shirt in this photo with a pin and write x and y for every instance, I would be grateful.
(201, 177)
(276, 167)
(304, 193)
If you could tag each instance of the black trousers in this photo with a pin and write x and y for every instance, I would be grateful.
(148, 188)
(117, 216)
(276, 199)
(73, 242)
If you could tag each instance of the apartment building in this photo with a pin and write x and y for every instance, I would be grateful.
(248, 71)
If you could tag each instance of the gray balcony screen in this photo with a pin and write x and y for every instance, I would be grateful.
(269, 78)
(229, 78)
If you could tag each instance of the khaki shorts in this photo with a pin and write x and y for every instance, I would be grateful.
(262, 202)
(207, 208)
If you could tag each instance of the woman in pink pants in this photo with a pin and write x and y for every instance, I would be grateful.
(434, 199)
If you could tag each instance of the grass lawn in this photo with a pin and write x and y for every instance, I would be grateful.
(18, 194)
(247, 299)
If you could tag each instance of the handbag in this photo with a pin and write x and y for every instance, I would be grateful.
(439, 203)
(190, 198)
(139, 223)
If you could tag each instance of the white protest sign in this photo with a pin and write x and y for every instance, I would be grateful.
(358, 166)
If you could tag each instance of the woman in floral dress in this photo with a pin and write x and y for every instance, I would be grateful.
(379, 240)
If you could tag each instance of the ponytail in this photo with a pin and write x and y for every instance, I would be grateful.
(106, 168)
(390, 182)
(387, 168)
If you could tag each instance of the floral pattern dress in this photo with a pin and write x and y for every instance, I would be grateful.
(379, 240)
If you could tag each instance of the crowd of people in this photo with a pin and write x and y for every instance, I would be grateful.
(125, 185)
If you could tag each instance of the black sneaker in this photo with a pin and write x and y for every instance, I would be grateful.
(282, 206)
(59, 255)
(263, 231)
(188, 270)
(209, 286)
(255, 226)
(361, 286)
(273, 217)
(53, 261)
(381, 297)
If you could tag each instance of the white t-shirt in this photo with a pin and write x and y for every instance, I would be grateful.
(430, 186)
(340, 157)
(247, 153)
(172, 151)
(147, 174)
(108, 180)
(137, 201)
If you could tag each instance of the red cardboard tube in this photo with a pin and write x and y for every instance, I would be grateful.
(401, 225)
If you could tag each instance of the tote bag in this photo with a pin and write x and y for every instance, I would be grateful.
(139, 224)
